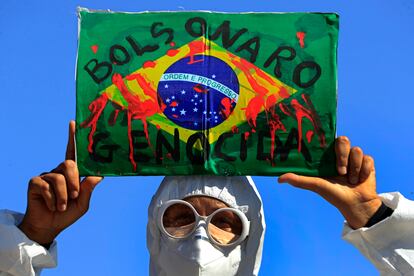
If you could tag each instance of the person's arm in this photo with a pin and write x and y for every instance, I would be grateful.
(389, 243)
(55, 201)
(18, 254)
(354, 194)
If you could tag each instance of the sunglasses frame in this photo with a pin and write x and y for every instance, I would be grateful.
(245, 222)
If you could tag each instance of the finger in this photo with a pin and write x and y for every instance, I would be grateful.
(70, 148)
(342, 148)
(355, 163)
(367, 168)
(58, 183)
(87, 186)
(40, 187)
(314, 184)
(69, 169)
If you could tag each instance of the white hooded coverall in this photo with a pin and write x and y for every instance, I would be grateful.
(389, 244)
(238, 192)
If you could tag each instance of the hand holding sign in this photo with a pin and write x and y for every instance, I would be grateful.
(353, 192)
(57, 199)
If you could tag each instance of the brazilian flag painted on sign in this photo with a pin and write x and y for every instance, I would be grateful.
(180, 93)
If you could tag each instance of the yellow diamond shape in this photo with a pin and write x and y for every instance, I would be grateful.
(258, 89)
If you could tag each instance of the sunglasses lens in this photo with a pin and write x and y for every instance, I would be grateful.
(178, 220)
(225, 227)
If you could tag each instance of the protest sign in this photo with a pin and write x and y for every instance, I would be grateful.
(177, 93)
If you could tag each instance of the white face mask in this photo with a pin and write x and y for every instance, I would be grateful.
(197, 256)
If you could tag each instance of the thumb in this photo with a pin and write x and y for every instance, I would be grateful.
(314, 184)
(87, 186)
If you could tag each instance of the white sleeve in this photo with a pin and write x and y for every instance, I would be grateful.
(389, 244)
(18, 254)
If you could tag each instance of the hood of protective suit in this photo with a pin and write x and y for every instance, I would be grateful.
(238, 192)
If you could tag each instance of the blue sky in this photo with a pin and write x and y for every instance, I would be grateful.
(38, 41)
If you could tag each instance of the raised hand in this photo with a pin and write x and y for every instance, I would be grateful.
(57, 199)
(353, 192)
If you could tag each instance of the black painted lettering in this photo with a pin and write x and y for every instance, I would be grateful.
(119, 55)
(100, 70)
(163, 142)
(219, 145)
(243, 146)
(139, 157)
(260, 154)
(96, 150)
(281, 150)
(291, 143)
(201, 28)
(157, 33)
(205, 152)
(309, 65)
(278, 55)
(252, 46)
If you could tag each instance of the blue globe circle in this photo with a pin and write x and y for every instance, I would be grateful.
(198, 94)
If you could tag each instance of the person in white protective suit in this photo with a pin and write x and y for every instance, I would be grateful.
(209, 225)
